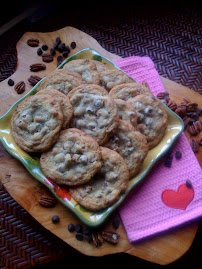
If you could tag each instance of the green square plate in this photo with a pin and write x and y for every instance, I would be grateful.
(32, 164)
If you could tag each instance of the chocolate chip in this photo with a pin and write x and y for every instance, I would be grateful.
(188, 183)
(79, 236)
(55, 219)
(78, 228)
(73, 45)
(52, 52)
(178, 155)
(71, 227)
(116, 223)
(11, 82)
(39, 51)
(44, 47)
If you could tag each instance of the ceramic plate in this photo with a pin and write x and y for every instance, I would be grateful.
(90, 218)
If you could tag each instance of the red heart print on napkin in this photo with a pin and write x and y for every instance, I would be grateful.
(179, 199)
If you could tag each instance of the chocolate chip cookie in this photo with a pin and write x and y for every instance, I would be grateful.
(36, 123)
(62, 80)
(100, 66)
(106, 186)
(129, 90)
(111, 78)
(126, 112)
(95, 112)
(73, 160)
(130, 144)
(152, 118)
(64, 101)
(86, 68)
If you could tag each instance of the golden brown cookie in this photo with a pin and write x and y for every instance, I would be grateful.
(106, 187)
(73, 160)
(130, 144)
(126, 91)
(62, 80)
(126, 112)
(100, 66)
(111, 78)
(36, 123)
(95, 112)
(152, 118)
(64, 101)
(86, 68)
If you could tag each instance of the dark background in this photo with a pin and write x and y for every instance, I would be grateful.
(98, 19)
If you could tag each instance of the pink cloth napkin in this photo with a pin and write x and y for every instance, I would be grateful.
(163, 201)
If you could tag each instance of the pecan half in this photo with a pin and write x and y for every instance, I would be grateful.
(110, 237)
(20, 87)
(194, 145)
(145, 84)
(186, 120)
(200, 139)
(37, 67)
(192, 129)
(162, 95)
(97, 239)
(33, 42)
(181, 112)
(198, 125)
(172, 105)
(33, 80)
(192, 107)
(47, 57)
(47, 201)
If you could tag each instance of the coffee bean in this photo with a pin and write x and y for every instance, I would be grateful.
(87, 231)
(61, 47)
(65, 54)
(11, 82)
(55, 219)
(58, 40)
(88, 237)
(116, 223)
(79, 236)
(52, 52)
(188, 183)
(78, 228)
(191, 121)
(195, 117)
(67, 49)
(60, 58)
(71, 227)
(199, 111)
(168, 163)
(39, 51)
(178, 154)
(44, 47)
(73, 45)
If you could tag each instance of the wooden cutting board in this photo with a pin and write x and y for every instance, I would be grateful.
(26, 190)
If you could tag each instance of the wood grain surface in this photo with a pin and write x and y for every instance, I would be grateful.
(162, 249)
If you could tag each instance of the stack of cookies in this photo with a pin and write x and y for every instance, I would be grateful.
(93, 127)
